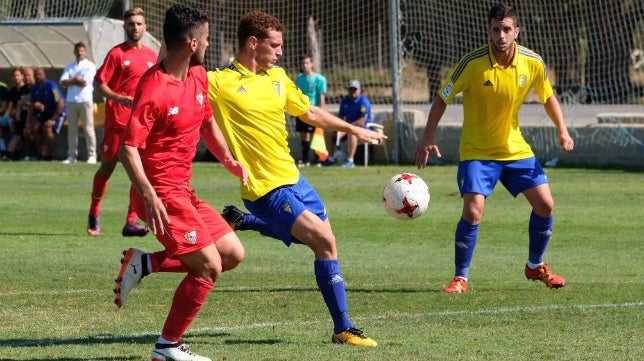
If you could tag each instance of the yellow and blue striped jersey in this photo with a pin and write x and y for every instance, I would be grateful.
(492, 97)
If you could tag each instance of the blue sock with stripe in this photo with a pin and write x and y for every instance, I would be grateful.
(331, 284)
(540, 231)
(464, 244)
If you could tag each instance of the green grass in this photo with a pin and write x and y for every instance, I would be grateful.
(56, 284)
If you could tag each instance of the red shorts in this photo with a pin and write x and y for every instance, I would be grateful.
(193, 223)
(111, 142)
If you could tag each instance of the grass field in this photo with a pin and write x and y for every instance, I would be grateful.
(56, 284)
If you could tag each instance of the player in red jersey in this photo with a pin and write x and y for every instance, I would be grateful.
(170, 112)
(116, 80)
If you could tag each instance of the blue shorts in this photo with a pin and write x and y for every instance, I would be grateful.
(481, 176)
(281, 207)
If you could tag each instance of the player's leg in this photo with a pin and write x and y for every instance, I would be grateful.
(305, 221)
(132, 228)
(317, 234)
(527, 176)
(109, 158)
(206, 264)
(244, 221)
(189, 297)
(476, 180)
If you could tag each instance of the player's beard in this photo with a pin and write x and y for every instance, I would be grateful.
(196, 59)
(134, 36)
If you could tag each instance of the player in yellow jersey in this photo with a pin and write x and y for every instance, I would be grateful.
(249, 99)
(495, 80)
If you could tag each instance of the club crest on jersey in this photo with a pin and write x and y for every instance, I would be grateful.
(277, 87)
(173, 111)
(522, 80)
(200, 99)
(191, 237)
(126, 63)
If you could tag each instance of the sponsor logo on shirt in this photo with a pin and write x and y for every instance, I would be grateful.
(127, 63)
(200, 99)
(241, 89)
(448, 90)
(488, 83)
(173, 111)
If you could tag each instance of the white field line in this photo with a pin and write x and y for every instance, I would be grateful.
(264, 325)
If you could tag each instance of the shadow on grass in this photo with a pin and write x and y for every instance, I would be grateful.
(113, 358)
(100, 339)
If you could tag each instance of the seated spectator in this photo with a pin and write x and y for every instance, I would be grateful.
(4, 117)
(20, 111)
(355, 108)
(45, 116)
(12, 113)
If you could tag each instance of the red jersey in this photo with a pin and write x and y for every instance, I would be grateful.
(164, 125)
(121, 71)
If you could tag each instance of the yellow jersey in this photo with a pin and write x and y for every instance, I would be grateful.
(250, 110)
(492, 97)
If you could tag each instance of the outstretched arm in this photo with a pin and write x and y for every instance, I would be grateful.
(320, 118)
(428, 144)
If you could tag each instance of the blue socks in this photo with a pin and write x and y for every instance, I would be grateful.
(539, 230)
(464, 243)
(331, 284)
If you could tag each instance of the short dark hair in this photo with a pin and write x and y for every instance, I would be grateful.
(80, 44)
(257, 23)
(133, 12)
(181, 23)
(502, 11)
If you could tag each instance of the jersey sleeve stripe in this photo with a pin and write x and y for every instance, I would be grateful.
(480, 52)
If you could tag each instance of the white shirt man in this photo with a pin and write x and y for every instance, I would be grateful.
(78, 77)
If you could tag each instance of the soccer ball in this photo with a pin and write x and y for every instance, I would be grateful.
(405, 196)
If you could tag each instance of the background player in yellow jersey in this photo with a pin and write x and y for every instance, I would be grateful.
(495, 80)
(249, 99)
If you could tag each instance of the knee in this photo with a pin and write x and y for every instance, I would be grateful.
(210, 271)
(233, 260)
(545, 209)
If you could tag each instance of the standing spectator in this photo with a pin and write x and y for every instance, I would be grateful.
(170, 112)
(78, 78)
(355, 108)
(252, 118)
(313, 85)
(495, 79)
(116, 80)
(45, 116)
(24, 76)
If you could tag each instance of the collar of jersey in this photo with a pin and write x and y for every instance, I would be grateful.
(515, 58)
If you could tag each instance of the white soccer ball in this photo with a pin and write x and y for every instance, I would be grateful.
(405, 196)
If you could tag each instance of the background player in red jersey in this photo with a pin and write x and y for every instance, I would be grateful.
(170, 112)
(116, 80)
